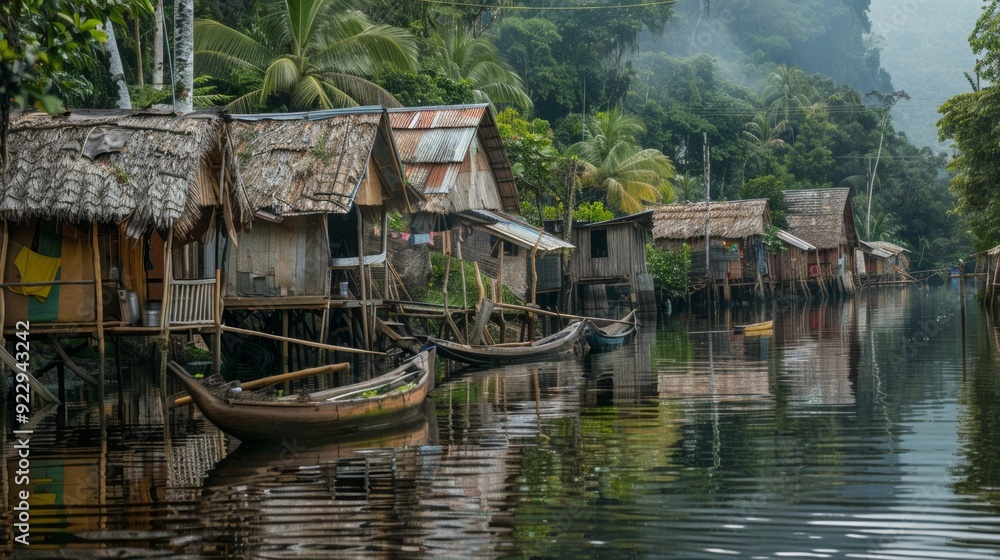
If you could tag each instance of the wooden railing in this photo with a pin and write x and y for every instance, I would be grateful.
(191, 301)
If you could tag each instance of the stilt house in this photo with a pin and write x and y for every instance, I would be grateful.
(454, 155)
(610, 263)
(824, 219)
(790, 268)
(111, 217)
(320, 185)
(884, 263)
(737, 256)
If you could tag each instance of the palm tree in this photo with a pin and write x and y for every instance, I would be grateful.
(787, 90)
(318, 53)
(628, 175)
(459, 55)
(764, 131)
(687, 188)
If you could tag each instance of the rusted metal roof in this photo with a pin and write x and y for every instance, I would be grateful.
(445, 135)
(306, 163)
(729, 220)
(511, 229)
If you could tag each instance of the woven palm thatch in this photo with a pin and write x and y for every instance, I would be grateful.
(144, 169)
(822, 217)
(311, 163)
(728, 220)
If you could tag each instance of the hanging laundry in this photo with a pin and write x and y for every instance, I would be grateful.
(35, 268)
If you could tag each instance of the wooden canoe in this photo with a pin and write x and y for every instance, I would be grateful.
(764, 327)
(612, 336)
(563, 342)
(326, 414)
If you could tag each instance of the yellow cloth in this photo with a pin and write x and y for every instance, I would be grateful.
(35, 268)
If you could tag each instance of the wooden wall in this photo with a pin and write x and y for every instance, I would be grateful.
(285, 259)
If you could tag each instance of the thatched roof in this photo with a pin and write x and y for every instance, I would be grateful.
(822, 217)
(736, 219)
(311, 163)
(149, 169)
(434, 142)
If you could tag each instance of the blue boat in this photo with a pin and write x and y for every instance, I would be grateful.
(613, 336)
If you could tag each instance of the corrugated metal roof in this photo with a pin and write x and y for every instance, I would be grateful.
(434, 136)
(736, 219)
(442, 116)
(511, 229)
(445, 145)
(795, 241)
(891, 248)
(644, 218)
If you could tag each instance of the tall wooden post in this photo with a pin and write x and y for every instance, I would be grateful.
(168, 273)
(361, 278)
(99, 317)
(3, 270)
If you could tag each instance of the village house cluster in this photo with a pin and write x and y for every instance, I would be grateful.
(151, 224)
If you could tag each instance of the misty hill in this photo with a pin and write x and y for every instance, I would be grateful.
(925, 47)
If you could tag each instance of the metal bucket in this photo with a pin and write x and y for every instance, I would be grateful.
(151, 316)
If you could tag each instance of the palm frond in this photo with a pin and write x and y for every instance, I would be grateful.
(361, 90)
(214, 37)
(358, 47)
(281, 76)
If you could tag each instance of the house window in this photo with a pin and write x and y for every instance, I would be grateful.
(598, 243)
(509, 249)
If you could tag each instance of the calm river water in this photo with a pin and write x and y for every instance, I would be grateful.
(856, 431)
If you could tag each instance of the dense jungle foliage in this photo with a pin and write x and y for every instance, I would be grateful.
(609, 105)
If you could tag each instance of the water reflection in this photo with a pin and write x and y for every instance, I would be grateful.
(848, 433)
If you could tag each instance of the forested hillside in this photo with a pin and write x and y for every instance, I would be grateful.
(607, 104)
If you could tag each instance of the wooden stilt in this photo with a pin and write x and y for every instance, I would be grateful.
(361, 278)
(99, 317)
(217, 317)
(168, 272)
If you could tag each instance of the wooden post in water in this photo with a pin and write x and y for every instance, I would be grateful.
(99, 318)
(961, 307)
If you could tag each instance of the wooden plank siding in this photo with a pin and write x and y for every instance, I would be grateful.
(614, 254)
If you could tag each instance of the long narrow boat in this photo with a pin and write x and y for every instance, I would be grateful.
(612, 336)
(761, 328)
(368, 405)
(563, 342)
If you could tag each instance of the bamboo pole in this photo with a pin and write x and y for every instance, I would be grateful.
(513, 307)
(217, 319)
(479, 284)
(361, 278)
(99, 317)
(237, 330)
(282, 378)
(165, 320)
(3, 271)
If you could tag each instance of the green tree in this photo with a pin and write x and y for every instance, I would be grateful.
(459, 55)
(771, 188)
(42, 42)
(311, 54)
(669, 269)
(624, 173)
(788, 92)
(688, 188)
(534, 159)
